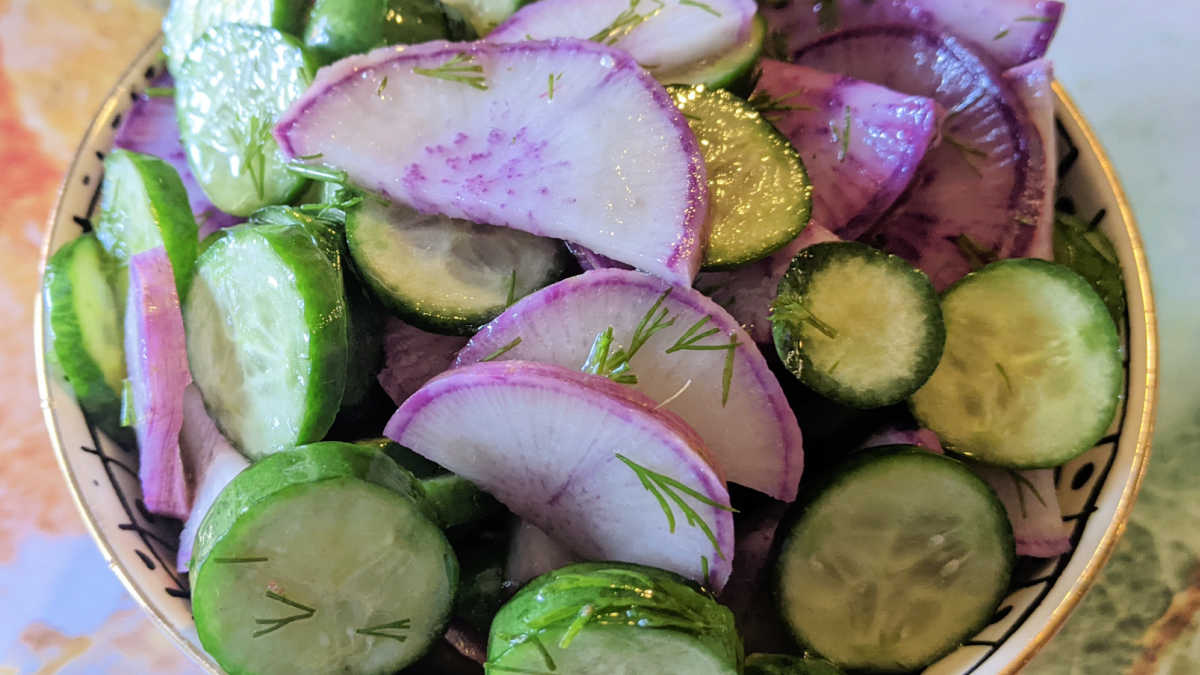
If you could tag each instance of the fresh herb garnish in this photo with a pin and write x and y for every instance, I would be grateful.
(307, 158)
(275, 624)
(665, 488)
(160, 92)
(553, 79)
(1004, 375)
(704, 568)
(844, 137)
(382, 630)
(511, 296)
(382, 85)
(968, 152)
(602, 360)
(1000, 35)
(789, 308)
(234, 561)
(1089, 253)
(766, 104)
(690, 340)
(253, 145)
(501, 351)
(1036, 19)
(460, 69)
(128, 407)
(625, 22)
(700, 5)
(977, 256)
(318, 173)
(1020, 481)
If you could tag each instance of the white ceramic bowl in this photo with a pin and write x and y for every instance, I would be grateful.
(1096, 490)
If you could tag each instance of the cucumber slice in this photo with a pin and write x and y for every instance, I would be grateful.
(613, 618)
(85, 334)
(443, 274)
(266, 328)
(236, 81)
(734, 70)
(1032, 372)
(857, 325)
(143, 205)
(186, 21)
(321, 559)
(338, 28)
(786, 664)
(484, 15)
(754, 210)
(894, 562)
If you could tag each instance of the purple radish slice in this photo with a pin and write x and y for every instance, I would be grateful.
(921, 438)
(978, 195)
(525, 148)
(1032, 82)
(748, 291)
(157, 365)
(1010, 32)
(1031, 500)
(210, 462)
(860, 142)
(747, 423)
(665, 36)
(590, 260)
(532, 553)
(411, 357)
(150, 128)
(589, 461)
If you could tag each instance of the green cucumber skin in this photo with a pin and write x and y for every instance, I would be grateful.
(823, 254)
(736, 72)
(96, 395)
(456, 501)
(829, 481)
(339, 28)
(325, 311)
(407, 459)
(1105, 335)
(167, 205)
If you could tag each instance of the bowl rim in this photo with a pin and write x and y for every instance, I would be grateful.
(1104, 550)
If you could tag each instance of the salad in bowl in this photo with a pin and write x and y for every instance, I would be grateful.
(618, 336)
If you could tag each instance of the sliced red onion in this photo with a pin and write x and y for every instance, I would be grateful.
(748, 291)
(150, 127)
(922, 438)
(860, 142)
(1009, 31)
(1032, 83)
(412, 357)
(156, 361)
(1031, 501)
(209, 461)
(978, 195)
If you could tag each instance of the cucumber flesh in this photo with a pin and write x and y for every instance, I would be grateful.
(266, 328)
(373, 600)
(447, 275)
(1032, 372)
(144, 205)
(753, 212)
(85, 335)
(236, 81)
(186, 21)
(857, 325)
(733, 70)
(901, 556)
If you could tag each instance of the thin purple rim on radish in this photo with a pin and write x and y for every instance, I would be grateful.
(682, 260)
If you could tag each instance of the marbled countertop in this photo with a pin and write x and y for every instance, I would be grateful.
(1134, 68)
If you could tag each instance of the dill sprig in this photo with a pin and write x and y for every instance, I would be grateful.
(1035, 19)
(766, 104)
(700, 5)
(511, 296)
(667, 490)
(603, 360)
(461, 69)
(1004, 376)
(626, 21)
(976, 254)
(690, 340)
(275, 624)
(1021, 481)
(159, 92)
(790, 309)
(968, 152)
(253, 144)
(843, 138)
(553, 79)
(318, 173)
(501, 351)
(1001, 35)
(382, 85)
(382, 630)
(234, 561)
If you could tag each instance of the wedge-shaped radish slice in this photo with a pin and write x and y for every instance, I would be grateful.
(748, 291)
(1009, 31)
(1032, 82)
(727, 394)
(527, 147)
(589, 461)
(665, 36)
(860, 142)
(978, 195)
(157, 363)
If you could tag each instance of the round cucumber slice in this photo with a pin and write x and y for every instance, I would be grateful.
(443, 274)
(338, 28)
(734, 70)
(857, 325)
(85, 334)
(321, 559)
(759, 193)
(266, 329)
(901, 556)
(186, 20)
(1032, 372)
(236, 81)
(786, 664)
(613, 618)
(143, 205)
